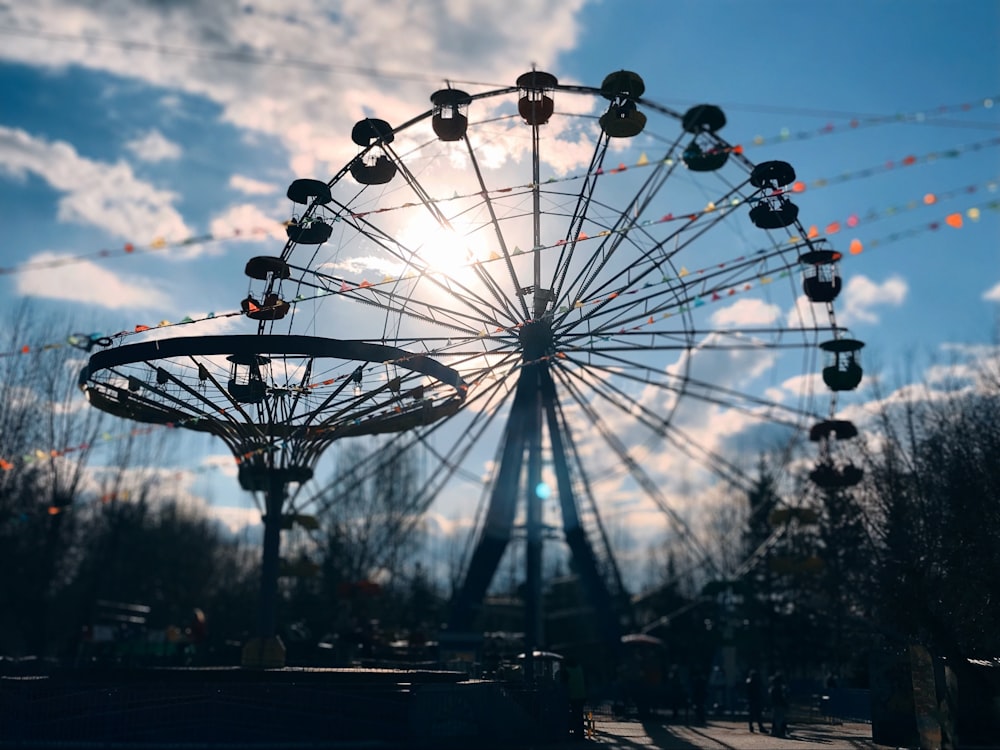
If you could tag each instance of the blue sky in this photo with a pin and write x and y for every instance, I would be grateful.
(126, 122)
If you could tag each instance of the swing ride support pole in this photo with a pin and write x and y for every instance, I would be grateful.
(265, 650)
(266, 622)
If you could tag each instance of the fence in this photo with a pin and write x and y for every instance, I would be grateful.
(314, 708)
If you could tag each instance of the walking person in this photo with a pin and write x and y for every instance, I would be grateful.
(779, 705)
(755, 700)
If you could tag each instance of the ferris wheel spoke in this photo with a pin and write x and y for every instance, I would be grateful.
(481, 359)
(484, 406)
(497, 231)
(559, 426)
(644, 306)
(651, 339)
(409, 258)
(668, 429)
(411, 265)
(628, 279)
(482, 364)
(635, 470)
(640, 372)
(393, 303)
(626, 220)
(579, 213)
(724, 274)
(477, 356)
(452, 462)
(502, 301)
(592, 281)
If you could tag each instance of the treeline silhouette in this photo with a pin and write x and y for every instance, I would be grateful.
(909, 555)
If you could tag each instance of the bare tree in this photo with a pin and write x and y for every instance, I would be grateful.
(82, 512)
(46, 443)
(368, 522)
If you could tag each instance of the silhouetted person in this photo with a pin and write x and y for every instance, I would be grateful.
(717, 685)
(675, 693)
(197, 635)
(755, 701)
(779, 705)
(699, 696)
(576, 687)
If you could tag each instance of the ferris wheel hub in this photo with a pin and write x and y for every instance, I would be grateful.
(536, 339)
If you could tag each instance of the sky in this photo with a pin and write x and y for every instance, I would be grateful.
(145, 150)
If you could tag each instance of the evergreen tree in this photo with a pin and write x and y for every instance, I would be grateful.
(937, 483)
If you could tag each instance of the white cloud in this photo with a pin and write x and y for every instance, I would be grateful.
(473, 38)
(443, 526)
(856, 303)
(103, 195)
(968, 366)
(154, 147)
(224, 463)
(861, 295)
(249, 222)
(235, 519)
(87, 283)
(808, 385)
(806, 314)
(951, 374)
(983, 352)
(993, 293)
(747, 312)
(250, 186)
(777, 395)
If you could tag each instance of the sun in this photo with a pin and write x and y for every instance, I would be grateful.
(441, 250)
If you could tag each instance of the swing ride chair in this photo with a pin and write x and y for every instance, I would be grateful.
(527, 343)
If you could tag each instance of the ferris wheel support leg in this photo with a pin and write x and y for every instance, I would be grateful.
(523, 436)
(534, 628)
(499, 521)
(594, 585)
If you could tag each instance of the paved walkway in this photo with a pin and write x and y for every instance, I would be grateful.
(722, 735)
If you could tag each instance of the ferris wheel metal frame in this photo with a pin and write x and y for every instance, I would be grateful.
(542, 332)
(553, 335)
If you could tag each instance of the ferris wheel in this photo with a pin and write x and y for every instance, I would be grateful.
(602, 270)
(571, 298)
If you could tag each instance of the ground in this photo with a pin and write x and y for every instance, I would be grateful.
(724, 735)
